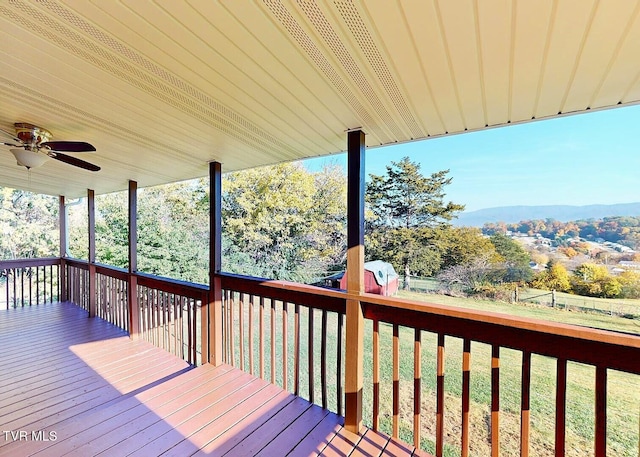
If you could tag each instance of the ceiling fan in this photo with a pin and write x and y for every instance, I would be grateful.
(33, 147)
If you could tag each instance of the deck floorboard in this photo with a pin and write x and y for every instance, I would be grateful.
(87, 387)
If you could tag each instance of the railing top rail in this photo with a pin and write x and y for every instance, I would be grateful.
(114, 272)
(174, 286)
(78, 263)
(582, 344)
(23, 263)
(291, 292)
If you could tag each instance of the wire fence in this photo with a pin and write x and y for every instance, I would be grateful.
(559, 300)
(621, 308)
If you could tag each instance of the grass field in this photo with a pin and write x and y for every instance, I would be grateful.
(623, 389)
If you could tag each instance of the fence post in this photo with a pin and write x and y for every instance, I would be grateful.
(553, 299)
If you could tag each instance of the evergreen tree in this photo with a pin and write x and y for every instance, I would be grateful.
(408, 212)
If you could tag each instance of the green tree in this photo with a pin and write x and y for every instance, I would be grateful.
(595, 281)
(630, 282)
(514, 257)
(173, 227)
(464, 244)
(407, 213)
(555, 277)
(28, 224)
(284, 222)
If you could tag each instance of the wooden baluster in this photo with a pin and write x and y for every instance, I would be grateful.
(171, 334)
(163, 313)
(466, 397)
(339, 390)
(6, 289)
(125, 305)
(561, 406)
(176, 336)
(525, 407)
(153, 294)
(28, 273)
(417, 387)
(146, 312)
(285, 364)
(601, 412)
(495, 401)
(194, 329)
(376, 375)
(440, 397)
(232, 343)
(310, 353)
(191, 350)
(241, 328)
(323, 359)
(396, 381)
(251, 367)
(261, 337)
(227, 327)
(273, 341)
(296, 349)
(182, 305)
(38, 285)
(169, 298)
(19, 287)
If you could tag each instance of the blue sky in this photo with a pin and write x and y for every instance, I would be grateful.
(584, 159)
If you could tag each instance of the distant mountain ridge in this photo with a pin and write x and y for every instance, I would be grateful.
(563, 213)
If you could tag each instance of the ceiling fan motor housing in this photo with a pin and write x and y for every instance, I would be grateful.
(31, 135)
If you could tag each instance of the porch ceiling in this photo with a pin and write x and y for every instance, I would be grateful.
(161, 88)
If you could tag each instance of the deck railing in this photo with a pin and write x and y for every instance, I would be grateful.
(290, 334)
(27, 282)
(294, 335)
(112, 304)
(77, 283)
(171, 315)
(407, 340)
(169, 311)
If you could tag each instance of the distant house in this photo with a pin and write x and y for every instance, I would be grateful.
(379, 278)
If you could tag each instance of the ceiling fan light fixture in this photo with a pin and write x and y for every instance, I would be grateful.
(29, 159)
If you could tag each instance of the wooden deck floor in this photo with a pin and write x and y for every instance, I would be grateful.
(75, 386)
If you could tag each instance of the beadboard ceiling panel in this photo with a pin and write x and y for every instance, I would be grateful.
(161, 88)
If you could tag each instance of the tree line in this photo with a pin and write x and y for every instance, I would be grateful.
(286, 222)
(624, 230)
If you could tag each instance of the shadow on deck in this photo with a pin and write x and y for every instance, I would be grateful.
(77, 386)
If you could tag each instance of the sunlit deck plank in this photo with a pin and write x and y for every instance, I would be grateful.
(101, 392)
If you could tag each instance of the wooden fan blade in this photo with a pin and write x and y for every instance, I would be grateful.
(73, 161)
(69, 146)
(11, 136)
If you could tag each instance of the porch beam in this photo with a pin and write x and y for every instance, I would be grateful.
(132, 289)
(215, 264)
(91, 212)
(62, 275)
(355, 280)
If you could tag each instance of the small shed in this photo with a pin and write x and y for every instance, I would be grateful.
(379, 278)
